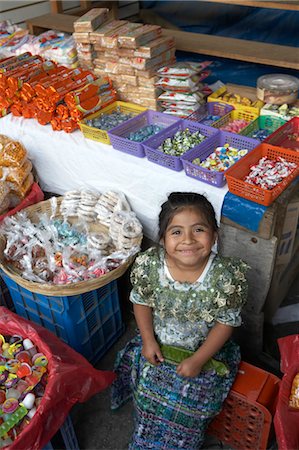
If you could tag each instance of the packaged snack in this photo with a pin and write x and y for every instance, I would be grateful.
(140, 36)
(17, 174)
(106, 29)
(12, 154)
(154, 48)
(190, 84)
(91, 20)
(129, 79)
(186, 97)
(147, 64)
(82, 38)
(110, 40)
(22, 190)
(4, 199)
(277, 89)
(183, 69)
(294, 397)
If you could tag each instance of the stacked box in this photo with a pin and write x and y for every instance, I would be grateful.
(130, 54)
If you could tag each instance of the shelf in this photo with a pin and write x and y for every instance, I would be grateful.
(239, 49)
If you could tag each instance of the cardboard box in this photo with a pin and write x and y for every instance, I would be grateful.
(286, 244)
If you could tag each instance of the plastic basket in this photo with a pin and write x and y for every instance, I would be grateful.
(217, 96)
(89, 323)
(238, 171)
(262, 123)
(236, 114)
(174, 162)
(67, 435)
(215, 109)
(247, 415)
(118, 135)
(287, 135)
(5, 297)
(102, 135)
(206, 148)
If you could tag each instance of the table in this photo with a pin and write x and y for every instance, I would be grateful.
(69, 161)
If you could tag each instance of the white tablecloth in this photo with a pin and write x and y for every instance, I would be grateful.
(69, 161)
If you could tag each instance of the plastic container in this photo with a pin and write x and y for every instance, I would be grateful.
(247, 415)
(206, 148)
(118, 135)
(268, 123)
(102, 135)
(277, 89)
(253, 109)
(35, 195)
(174, 162)
(68, 436)
(210, 109)
(90, 323)
(236, 174)
(287, 136)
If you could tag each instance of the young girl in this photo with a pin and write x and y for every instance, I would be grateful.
(186, 302)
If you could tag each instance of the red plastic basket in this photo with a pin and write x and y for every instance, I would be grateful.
(246, 418)
(206, 148)
(286, 136)
(118, 135)
(174, 162)
(236, 174)
(204, 112)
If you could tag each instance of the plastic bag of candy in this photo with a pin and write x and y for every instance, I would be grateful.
(69, 379)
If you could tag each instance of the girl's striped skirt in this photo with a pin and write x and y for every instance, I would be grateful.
(171, 412)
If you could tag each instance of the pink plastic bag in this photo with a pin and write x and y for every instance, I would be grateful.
(286, 419)
(71, 379)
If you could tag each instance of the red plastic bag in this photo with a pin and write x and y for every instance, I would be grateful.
(35, 195)
(286, 419)
(71, 379)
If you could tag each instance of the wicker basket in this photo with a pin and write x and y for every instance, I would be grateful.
(81, 287)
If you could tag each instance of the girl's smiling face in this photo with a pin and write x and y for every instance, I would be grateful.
(189, 239)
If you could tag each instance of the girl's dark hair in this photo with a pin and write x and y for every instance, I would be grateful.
(179, 200)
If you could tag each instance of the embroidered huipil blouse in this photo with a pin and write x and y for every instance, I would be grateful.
(183, 313)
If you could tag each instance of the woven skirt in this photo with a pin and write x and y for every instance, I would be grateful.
(171, 412)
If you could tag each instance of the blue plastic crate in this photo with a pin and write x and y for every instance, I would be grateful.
(68, 436)
(89, 323)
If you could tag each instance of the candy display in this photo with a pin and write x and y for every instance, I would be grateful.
(260, 134)
(181, 142)
(294, 396)
(268, 173)
(23, 379)
(221, 159)
(108, 121)
(144, 133)
(33, 88)
(277, 89)
(248, 103)
(91, 20)
(284, 111)
(77, 242)
(235, 126)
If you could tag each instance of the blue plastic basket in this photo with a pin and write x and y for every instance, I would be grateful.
(68, 436)
(89, 323)
(174, 162)
(118, 135)
(206, 148)
(215, 109)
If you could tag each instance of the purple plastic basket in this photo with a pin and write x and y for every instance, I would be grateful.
(174, 162)
(118, 135)
(210, 109)
(206, 148)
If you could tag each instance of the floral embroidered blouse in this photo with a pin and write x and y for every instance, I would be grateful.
(183, 313)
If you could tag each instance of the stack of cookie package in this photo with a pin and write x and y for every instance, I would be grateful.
(183, 87)
(129, 53)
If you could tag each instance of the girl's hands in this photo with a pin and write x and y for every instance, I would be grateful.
(152, 352)
(188, 368)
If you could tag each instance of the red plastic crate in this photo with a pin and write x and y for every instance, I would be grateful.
(247, 415)
(286, 136)
(235, 174)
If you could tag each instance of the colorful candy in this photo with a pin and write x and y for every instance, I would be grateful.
(144, 133)
(235, 126)
(267, 173)
(108, 121)
(221, 159)
(181, 142)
